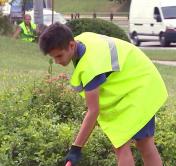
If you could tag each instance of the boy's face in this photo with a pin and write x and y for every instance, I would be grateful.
(63, 56)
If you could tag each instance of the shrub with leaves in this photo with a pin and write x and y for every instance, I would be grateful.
(166, 135)
(6, 27)
(38, 124)
(56, 93)
(98, 26)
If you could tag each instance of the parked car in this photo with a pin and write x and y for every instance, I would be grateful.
(153, 20)
(47, 17)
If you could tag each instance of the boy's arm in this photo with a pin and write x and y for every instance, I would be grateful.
(88, 124)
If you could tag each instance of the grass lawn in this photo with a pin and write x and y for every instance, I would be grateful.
(168, 74)
(23, 63)
(83, 5)
(161, 54)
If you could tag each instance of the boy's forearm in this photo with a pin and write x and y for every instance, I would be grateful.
(88, 124)
(86, 127)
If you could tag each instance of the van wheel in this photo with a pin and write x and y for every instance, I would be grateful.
(135, 39)
(163, 42)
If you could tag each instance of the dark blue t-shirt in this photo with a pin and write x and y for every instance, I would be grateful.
(98, 80)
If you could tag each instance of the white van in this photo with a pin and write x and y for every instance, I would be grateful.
(153, 20)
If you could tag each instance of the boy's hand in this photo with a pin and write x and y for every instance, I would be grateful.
(74, 155)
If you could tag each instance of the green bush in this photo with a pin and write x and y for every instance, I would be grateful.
(98, 26)
(165, 135)
(6, 27)
(38, 124)
(32, 131)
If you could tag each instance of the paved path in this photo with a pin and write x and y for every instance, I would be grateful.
(169, 63)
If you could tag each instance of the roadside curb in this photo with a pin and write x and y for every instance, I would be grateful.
(169, 63)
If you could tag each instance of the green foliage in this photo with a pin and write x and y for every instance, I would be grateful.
(98, 150)
(56, 95)
(6, 27)
(98, 26)
(38, 124)
(166, 136)
(84, 6)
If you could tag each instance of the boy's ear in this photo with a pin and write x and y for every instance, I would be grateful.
(72, 44)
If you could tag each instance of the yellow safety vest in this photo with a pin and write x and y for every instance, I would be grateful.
(131, 94)
(27, 34)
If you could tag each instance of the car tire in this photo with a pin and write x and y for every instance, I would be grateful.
(163, 41)
(135, 39)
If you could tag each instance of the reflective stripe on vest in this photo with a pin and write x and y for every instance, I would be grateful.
(113, 52)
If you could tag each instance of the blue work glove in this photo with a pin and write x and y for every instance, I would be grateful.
(74, 155)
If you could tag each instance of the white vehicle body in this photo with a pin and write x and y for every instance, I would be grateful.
(5, 9)
(152, 20)
(47, 17)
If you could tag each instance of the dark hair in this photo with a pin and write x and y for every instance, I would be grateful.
(55, 36)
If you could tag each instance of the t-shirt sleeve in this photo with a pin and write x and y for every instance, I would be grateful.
(98, 80)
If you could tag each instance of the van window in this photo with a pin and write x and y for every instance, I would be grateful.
(157, 15)
(156, 11)
(169, 12)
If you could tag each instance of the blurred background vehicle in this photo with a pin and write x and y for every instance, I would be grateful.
(153, 21)
(47, 17)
